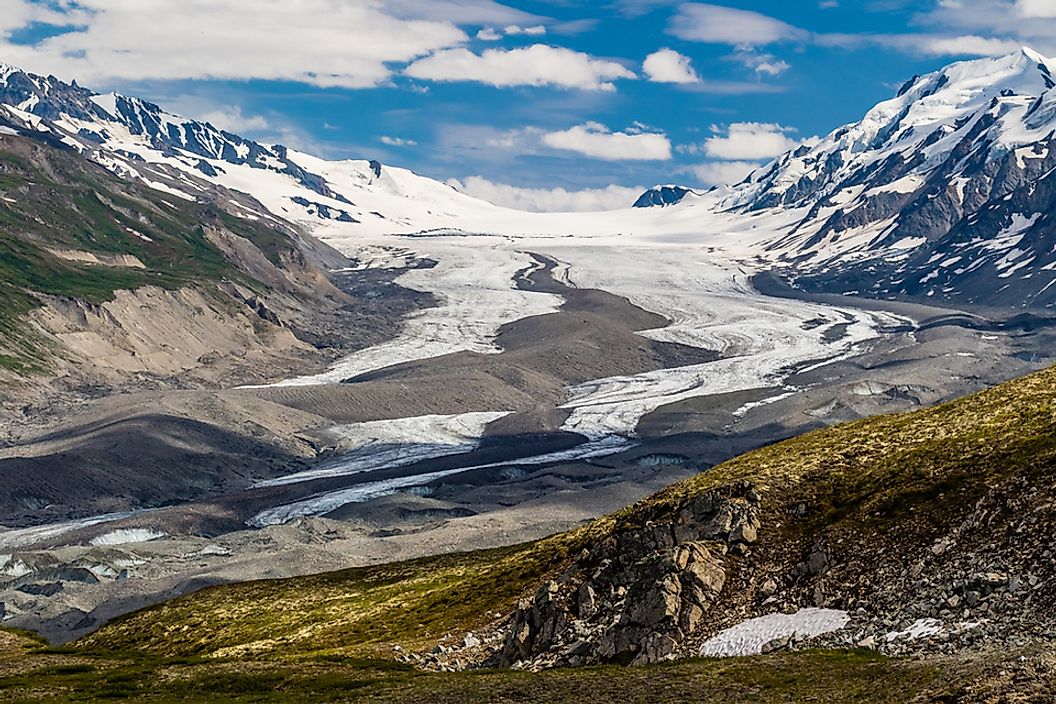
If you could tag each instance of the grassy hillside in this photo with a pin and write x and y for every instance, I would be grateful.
(882, 488)
(54, 202)
(890, 483)
(833, 677)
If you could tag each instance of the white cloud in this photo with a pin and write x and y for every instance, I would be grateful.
(987, 27)
(737, 149)
(749, 140)
(948, 28)
(225, 115)
(547, 200)
(926, 44)
(320, 42)
(968, 45)
(771, 68)
(597, 141)
(669, 66)
(763, 64)
(536, 65)
(1036, 8)
(234, 120)
(488, 34)
(713, 173)
(536, 31)
(398, 141)
(637, 8)
(726, 25)
(461, 12)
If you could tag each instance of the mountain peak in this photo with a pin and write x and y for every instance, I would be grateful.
(663, 196)
(1032, 55)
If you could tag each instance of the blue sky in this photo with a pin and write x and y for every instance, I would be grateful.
(560, 103)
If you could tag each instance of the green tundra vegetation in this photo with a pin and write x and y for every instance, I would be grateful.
(332, 637)
(53, 202)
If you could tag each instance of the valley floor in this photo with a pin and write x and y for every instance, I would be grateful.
(552, 383)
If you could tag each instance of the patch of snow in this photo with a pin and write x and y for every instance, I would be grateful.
(21, 537)
(749, 637)
(14, 568)
(139, 234)
(922, 628)
(751, 405)
(909, 243)
(126, 536)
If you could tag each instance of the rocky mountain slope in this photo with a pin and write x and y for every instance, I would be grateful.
(943, 192)
(940, 193)
(924, 533)
(107, 281)
(187, 158)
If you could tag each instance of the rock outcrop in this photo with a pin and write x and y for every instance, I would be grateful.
(640, 594)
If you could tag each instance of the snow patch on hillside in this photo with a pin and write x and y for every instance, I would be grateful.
(127, 536)
(749, 637)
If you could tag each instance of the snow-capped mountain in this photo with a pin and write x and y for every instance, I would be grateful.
(945, 191)
(184, 157)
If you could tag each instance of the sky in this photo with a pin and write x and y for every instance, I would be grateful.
(538, 104)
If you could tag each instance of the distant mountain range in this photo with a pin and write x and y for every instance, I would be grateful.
(944, 192)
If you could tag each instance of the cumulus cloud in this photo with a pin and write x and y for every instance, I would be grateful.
(233, 119)
(926, 44)
(535, 31)
(358, 45)
(718, 24)
(947, 28)
(597, 141)
(104, 40)
(736, 150)
(488, 34)
(749, 140)
(214, 110)
(763, 64)
(1036, 8)
(548, 200)
(536, 65)
(714, 173)
(669, 66)
(398, 141)
(988, 27)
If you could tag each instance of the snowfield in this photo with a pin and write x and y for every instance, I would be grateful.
(749, 637)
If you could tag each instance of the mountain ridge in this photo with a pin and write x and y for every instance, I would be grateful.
(940, 193)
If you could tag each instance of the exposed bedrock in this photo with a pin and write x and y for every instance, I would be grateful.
(642, 592)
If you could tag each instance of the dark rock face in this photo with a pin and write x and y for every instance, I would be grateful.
(662, 196)
(323, 211)
(990, 239)
(638, 596)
